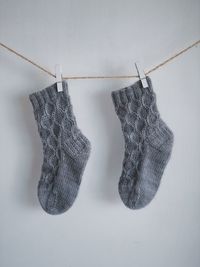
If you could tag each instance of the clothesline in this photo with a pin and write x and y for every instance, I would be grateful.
(101, 77)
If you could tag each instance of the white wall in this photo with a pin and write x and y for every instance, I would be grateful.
(99, 37)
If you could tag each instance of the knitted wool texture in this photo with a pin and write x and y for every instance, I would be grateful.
(148, 144)
(65, 149)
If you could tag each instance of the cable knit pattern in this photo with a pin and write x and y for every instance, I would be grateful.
(148, 144)
(65, 149)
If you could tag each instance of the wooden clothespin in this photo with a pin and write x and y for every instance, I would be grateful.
(58, 71)
(141, 75)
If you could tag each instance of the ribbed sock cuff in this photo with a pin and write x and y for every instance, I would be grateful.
(135, 91)
(49, 94)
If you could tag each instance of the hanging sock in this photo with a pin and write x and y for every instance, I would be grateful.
(148, 144)
(65, 149)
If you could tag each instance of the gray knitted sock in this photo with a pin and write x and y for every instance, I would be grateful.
(148, 144)
(65, 149)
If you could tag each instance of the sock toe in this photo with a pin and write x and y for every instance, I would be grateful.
(55, 202)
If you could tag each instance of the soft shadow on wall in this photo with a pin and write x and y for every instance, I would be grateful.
(113, 143)
(29, 175)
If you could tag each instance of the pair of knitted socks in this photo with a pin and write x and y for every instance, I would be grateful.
(148, 145)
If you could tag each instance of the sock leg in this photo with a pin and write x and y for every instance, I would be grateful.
(66, 150)
(148, 144)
